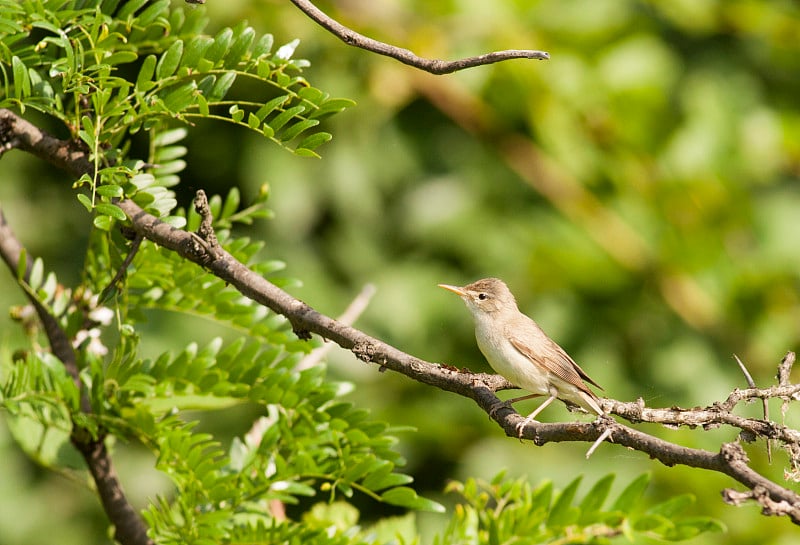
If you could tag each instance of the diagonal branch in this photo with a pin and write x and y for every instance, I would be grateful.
(434, 66)
(730, 460)
(129, 528)
(11, 251)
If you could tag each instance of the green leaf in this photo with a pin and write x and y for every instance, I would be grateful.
(595, 498)
(651, 523)
(104, 223)
(86, 202)
(231, 203)
(22, 264)
(240, 47)
(222, 86)
(111, 210)
(22, 83)
(672, 506)
(130, 7)
(167, 138)
(169, 60)
(630, 497)
(690, 527)
(177, 99)
(120, 57)
(222, 42)
(283, 118)
(195, 50)
(332, 106)
(144, 81)
(237, 114)
(293, 131)
(264, 46)
(37, 274)
(152, 12)
(407, 497)
(562, 512)
(270, 106)
(110, 191)
(314, 141)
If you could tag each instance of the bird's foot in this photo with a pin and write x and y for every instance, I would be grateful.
(521, 426)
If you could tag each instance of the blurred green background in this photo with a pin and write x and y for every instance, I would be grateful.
(638, 192)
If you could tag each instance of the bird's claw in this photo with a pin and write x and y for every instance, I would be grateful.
(521, 427)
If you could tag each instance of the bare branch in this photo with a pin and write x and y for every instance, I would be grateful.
(129, 528)
(10, 251)
(434, 66)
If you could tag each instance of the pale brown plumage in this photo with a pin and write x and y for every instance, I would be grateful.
(517, 348)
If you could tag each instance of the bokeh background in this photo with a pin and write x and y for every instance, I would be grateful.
(638, 192)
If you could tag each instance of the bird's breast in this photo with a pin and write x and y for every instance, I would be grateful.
(509, 362)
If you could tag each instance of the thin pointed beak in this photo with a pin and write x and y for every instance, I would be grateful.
(455, 289)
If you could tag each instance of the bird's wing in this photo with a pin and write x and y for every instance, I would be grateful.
(555, 361)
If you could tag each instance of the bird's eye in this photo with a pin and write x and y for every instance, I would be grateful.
(483, 296)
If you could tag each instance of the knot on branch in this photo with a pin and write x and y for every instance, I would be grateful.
(733, 454)
(204, 242)
(363, 350)
(759, 494)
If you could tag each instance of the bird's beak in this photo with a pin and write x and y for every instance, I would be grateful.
(455, 289)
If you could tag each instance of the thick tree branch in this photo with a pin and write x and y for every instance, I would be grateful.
(434, 66)
(730, 460)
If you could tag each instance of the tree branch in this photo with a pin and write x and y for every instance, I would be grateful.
(434, 66)
(129, 528)
(731, 459)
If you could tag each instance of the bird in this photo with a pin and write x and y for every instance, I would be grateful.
(517, 348)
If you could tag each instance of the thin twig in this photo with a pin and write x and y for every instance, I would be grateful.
(137, 242)
(434, 66)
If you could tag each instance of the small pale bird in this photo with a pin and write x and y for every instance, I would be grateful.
(517, 348)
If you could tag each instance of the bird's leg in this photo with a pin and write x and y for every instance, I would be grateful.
(534, 414)
(508, 403)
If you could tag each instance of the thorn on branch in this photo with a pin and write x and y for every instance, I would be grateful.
(785, 368)
(607, 423)
(764, 404)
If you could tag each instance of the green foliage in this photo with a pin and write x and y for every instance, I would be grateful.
(664, 134)
(511, 511)
(108, 70)
(74, 61)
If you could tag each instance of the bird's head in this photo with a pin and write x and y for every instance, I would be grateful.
(489, 296)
